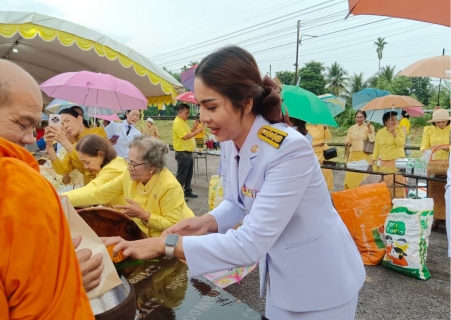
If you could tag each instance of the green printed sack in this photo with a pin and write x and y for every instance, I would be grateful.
(407, 230)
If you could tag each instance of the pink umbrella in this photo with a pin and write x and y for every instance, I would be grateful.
(112, 117)
(187, 77)
(95, 90)
(415, 112)
(187, 97)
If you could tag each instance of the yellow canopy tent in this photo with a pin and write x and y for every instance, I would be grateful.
(46, 46)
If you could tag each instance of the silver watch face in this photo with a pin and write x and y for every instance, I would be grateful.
(171, 240)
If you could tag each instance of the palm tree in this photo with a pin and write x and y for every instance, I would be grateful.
(387, 73)
(336, 79)
(380, 43)
(355, 84)
(193, 63)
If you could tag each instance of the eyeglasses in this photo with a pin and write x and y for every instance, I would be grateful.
(131, 166)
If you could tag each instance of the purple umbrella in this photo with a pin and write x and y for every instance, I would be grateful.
(95, 90)
(187, 78)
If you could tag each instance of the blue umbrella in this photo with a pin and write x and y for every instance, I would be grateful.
(58, 104)
(335, 104)
(366, 95)
(361, 98)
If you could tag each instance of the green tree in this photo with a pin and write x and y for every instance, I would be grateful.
(175, 75)
(387, 73)
(380, 44)
(193, 63)
(401, 85)
(312, 78)
(355, 84)
(421, 88)
(336, 79)
(286, 77)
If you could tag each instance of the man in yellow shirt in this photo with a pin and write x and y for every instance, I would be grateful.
(404, 124)
(184, 144)
(200, 136)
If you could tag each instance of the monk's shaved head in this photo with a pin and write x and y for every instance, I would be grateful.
(20, 103)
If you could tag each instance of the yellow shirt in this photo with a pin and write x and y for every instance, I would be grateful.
(152, 131)
(433, 136)
(319, 135)
(165, 203)
(357, 134)
(202, 133)
(387, 147)
(405, 123)
(71, 161)
(113, 169)
(180, 128)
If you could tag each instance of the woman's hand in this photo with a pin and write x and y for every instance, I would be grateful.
(134, 210)
(140, 249)
(392, 130)
(49, 135)
(195, 226)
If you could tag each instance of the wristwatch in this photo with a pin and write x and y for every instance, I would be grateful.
(170, 243)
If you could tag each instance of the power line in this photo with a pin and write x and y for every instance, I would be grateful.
(242, 31)
(195, 55)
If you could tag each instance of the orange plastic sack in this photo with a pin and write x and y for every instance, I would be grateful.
(363, 210)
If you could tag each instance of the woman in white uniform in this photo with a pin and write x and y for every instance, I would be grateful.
(275, 185)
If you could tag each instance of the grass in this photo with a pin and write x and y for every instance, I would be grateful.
(165, 129)
(338, 136)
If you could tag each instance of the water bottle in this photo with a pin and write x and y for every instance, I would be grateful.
(409, 167)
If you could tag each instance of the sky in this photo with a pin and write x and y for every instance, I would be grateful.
(171, 33)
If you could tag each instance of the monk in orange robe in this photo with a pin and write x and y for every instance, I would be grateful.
(40, 277)
(39, 274)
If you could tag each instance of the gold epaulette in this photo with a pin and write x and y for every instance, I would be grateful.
(272, 136)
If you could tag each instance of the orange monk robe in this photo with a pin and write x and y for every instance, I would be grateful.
(39, 273)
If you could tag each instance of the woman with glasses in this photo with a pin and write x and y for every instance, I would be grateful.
(153, 197)
(100, 160)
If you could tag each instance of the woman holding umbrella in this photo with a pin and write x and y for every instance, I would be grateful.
(357, 134)
(435, 135)
(388, 147)
(73, 125)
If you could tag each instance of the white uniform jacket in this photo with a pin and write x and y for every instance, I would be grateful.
(290, 226)
(120, 129)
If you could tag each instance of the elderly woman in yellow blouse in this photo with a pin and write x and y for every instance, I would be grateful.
(320, 134)
(355, 138)
(437, 134)
(72, 124)
(389, 146)
(154, 198)
(100, 159)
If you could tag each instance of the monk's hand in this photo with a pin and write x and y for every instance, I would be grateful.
(193, 226)
(140, 249)
(134, 210)
(91, 267)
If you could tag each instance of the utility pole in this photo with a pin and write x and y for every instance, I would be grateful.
(270, 74)
(297, 53)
